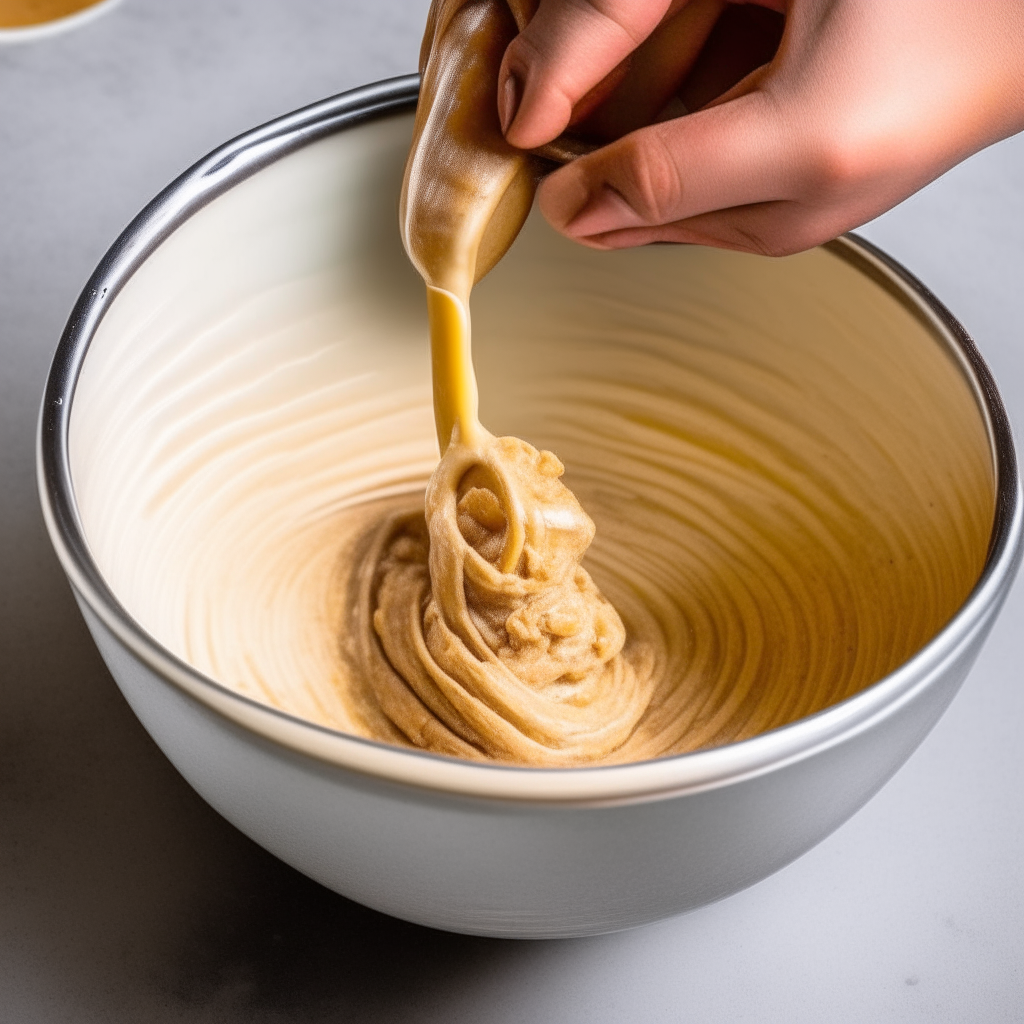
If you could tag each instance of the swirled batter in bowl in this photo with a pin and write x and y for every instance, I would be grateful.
(480, 642)
(479, 630)
(789, 472)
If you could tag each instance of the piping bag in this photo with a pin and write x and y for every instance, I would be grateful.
(466, 191)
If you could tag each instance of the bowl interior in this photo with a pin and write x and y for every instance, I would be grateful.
(790, 472)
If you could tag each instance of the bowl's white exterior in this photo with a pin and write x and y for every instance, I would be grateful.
(519, 868)
(478, 849)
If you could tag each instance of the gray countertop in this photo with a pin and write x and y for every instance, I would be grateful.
(123, 897)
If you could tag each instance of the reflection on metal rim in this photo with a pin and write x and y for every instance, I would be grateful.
(243, 157)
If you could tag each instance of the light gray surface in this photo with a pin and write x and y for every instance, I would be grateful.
(124, 898)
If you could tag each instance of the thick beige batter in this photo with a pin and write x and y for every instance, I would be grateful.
(489, 638)
(521, 664)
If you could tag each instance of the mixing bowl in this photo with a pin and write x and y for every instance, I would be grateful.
(820, 458)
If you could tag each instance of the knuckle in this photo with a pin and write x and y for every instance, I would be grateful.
(839, 163)
(629, 21)
(526, 50)
(652, 179)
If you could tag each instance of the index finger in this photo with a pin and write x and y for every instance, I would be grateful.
(567, 49)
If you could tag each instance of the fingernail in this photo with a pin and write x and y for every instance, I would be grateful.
(605, 209)
(510, 94)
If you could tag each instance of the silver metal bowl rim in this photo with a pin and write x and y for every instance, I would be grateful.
(642, 781)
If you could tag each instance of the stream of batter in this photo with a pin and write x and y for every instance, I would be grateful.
(490, 639)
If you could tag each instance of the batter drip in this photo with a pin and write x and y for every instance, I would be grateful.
(489, 638)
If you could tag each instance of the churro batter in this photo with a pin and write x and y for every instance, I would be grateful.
(489, 638)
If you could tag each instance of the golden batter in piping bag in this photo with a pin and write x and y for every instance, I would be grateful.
(466, 191)
(493, 640)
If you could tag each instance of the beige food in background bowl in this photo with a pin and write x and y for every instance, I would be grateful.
(28, 20)
(801, 475)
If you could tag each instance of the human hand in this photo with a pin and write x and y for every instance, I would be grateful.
(864, 102)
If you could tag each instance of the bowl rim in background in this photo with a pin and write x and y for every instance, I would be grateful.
(664, 777)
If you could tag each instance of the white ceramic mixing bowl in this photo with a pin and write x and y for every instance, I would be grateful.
(293, 222)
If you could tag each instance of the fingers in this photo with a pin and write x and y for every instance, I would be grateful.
(654, 72)
(767, 229)
(863, 104)
(778, 228)
(742, 174)
(745, 37)
(567, 49)
(738, 153)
